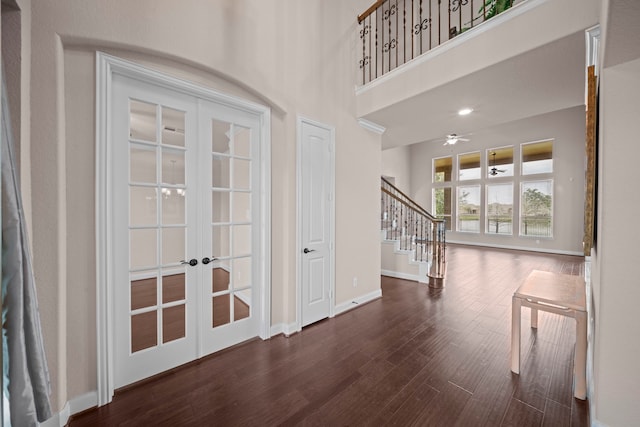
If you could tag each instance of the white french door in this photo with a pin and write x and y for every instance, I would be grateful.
(185, 203)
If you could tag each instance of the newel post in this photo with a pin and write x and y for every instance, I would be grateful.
(438, 265)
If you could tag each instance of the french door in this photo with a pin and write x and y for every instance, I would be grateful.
(186, 240)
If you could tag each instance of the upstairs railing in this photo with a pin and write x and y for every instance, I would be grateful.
(416, 230)
(393, 32)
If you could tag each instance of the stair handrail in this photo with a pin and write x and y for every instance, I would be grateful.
(432, 238)
(407, 201)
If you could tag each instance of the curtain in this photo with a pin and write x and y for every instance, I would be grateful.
(29, 386)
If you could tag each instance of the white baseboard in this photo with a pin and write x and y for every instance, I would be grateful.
(517, 248)
(355, 302)
(73, 406)
(284, 328)
(400, 275)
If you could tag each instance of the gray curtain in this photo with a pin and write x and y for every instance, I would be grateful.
(29, 386)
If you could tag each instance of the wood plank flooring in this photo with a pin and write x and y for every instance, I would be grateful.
(416, 356)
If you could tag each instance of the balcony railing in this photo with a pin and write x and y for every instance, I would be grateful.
(393, 32)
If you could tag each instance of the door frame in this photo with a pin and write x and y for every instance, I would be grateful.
(301, 121)
(106, 66)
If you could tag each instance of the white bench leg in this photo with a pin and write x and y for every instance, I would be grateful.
(534, 318)
(516, 311)
(580, 358)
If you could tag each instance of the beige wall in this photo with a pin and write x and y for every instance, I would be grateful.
(396, 163)
(567, 127)
(296, 58)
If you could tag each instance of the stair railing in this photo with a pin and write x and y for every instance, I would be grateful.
(415, 228)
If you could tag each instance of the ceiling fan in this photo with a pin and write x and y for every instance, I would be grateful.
(453, 138)
(494, 170)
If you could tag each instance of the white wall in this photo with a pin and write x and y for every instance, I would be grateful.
(297, 58)
(568, 129)
(616, 291)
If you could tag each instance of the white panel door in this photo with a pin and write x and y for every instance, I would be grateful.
(316, 201)
(185, 202)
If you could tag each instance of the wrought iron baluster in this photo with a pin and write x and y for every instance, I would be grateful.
(369, 18)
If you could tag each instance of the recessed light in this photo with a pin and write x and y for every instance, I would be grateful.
(465, 111)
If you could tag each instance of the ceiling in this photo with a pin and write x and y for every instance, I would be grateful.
(543, 80)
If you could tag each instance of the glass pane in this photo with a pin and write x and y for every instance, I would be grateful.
(242, 304)
(172, 127)
(142, 121)
(537, 208)
(173, 202)
(220, 172)
(469, 166)
(173, 288)
(220, 133)
(143, 164)
(173, 240)
(241, 207)
(220, 279)
(221, 310)
(500, 208)
(242, 142)
(442, 169)
(144, 331)
(143, 206)
(469, 208)
(241, 240)
(537, 157)
(241, 174)
(172, 167)
(173, 323)
(220, 206)
(221, 241)
(241, 273)
(442, 205)
(144, 245)
(500, 162)
(143, 293)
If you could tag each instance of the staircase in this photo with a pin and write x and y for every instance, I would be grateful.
(413, 240)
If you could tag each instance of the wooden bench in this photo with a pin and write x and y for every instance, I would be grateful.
(556, 293)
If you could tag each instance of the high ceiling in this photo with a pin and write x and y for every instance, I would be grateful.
(546, 79)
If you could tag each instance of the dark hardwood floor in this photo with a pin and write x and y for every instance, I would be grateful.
(416, 356)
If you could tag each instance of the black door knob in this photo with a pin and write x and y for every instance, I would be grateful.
(192, 262)
(307, 250)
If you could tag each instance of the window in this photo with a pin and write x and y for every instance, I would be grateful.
(537, 157)
(499, 162)
(469, 166)
(499, 208)
(469, 208)
(536, 208)
(442, 205)
(442, 169)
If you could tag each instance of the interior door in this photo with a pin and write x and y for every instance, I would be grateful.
(231, 225)
(185, 203)
(316, 200)
(154, 204)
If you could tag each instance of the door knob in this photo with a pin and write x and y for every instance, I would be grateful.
(307, 250)
(192, 262)
(207, 260)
